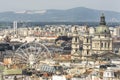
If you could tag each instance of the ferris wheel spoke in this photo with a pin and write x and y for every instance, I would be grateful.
(37, 62)
(42, 56)
(21, 56)
(28, 51)
(39, 50)
(27, 45)
(40, 53)
(19, 60)
(24, 53)
(34, 48)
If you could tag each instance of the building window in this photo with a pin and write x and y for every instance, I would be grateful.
(87, 40)
(101, 45)
(75, 50)
(87, 47)
(108, 44)
(105, 45)
(105, 31)
(76, 45)
(75, 39)
(59, 30)
(98, 36)
(87, 52)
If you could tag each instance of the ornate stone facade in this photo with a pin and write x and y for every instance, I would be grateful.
(102, 40)
(75, 52)
(100, 43)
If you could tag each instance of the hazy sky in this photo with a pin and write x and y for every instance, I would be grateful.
(19, 5)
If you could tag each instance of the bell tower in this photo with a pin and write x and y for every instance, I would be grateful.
(86, 43)
(75, 44)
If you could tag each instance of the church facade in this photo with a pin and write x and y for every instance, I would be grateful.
(100, 43)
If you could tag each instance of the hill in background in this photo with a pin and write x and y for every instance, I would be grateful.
(79, 14)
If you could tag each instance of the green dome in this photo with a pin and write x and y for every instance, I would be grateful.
(102, 29)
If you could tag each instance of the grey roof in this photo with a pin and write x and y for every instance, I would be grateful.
(47, 68)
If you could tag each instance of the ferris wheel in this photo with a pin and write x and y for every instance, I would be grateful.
(31, 54)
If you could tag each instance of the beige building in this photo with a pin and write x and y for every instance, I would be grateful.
(102, 40)
(91, 31)
(86, 43)
(99, 43)
(117, 31)
(75, 52)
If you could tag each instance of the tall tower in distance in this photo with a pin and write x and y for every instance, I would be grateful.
(15, 28)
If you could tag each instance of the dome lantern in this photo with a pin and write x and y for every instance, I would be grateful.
(102, 28)
(102, 20)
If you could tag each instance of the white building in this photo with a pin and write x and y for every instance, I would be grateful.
(57, 77)
(108, 74)
(117, 31)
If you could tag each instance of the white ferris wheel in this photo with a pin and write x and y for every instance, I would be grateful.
(31, 54)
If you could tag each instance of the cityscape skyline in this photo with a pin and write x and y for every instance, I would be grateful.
(20, 5)
(75, 50)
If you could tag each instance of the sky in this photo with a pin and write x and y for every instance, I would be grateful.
(20, 5)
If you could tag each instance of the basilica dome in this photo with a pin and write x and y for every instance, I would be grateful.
(102, 28)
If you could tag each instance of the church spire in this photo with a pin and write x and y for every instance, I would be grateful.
(102, 20)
